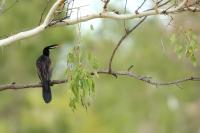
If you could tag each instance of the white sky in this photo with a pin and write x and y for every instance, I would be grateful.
(96, 5)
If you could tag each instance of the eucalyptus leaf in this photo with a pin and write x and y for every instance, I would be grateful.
(81, 82)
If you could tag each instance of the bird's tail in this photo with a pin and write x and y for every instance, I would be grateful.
(46, 91)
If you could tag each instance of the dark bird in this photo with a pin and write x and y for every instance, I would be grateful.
(44, 71)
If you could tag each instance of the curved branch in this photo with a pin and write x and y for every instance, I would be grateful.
(51, 12)
(109, 15)
(32, 32)
(121, 40)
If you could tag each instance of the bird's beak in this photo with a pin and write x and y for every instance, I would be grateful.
(54, 46)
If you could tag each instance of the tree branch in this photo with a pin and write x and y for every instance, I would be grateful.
(105, 14)
(105, 4)
(121, 40)
(15, 86)
(136, 11)
(32, 32)
(146, 79)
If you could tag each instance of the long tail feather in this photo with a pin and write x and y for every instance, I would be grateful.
(46, 91)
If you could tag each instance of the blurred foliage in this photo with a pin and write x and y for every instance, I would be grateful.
(120, 105)
(185, 44)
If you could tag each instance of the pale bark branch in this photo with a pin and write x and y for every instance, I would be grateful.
(52, 11)
(105, 14)
(22, 35)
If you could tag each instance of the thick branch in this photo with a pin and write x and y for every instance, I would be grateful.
(15, 86)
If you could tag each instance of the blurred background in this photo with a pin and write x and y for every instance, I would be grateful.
(122, 105)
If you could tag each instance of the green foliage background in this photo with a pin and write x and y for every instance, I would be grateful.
(119, 105)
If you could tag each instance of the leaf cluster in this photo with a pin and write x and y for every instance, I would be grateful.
(185, 44)
(81, 81)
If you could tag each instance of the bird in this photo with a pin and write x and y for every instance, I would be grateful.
(44, 71)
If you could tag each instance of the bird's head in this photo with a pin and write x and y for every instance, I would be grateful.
(46, 49)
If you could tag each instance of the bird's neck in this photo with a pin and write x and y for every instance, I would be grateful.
(46, 52)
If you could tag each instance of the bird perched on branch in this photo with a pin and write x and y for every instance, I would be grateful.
(44, 71)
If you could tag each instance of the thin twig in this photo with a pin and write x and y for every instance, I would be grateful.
(125, 13)
(159, 5)
(11, 6)
(105, 7)
(159, 2)
(41, 17)
(68, 9)
(164, 3)
(73, 8)
(136, 11)
(165, 11)
(130, 67)
(120, 42)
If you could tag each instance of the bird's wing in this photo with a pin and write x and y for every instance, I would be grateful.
(44, 68)
(49, 69)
